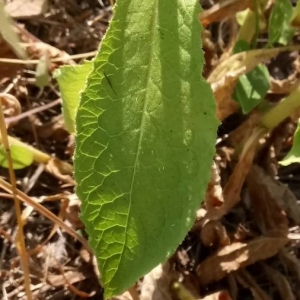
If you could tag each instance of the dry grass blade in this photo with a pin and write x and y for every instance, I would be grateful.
(53, 60)
(42, 210)
(20, 239)
(238, 255)
(53, 230)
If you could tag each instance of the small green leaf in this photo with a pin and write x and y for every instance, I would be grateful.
(145, 137)
(294, 155)
(252, 87)
(280, 30)
(21, 157)
(241, 16)
(71, 81)
(42, 77)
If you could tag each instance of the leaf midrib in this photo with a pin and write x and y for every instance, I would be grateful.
(148, 79)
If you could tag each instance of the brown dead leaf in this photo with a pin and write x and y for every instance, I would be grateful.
(23, 9)
(11, 105)
(35, 49)
(284, 86)
(210, 55)
(71, 276)
(60, 170)
(293, 266)
(280, 282)
(214, 193)
(225, 105)
(242, 233)
(246, 280)
(7, 70)
(53, 129)
(156, 284)
(222, 10)
(213, 234)
(241, 63)
(238, 255)
(234, 186)
(240, 134)
(264, 188)
(73, 211)
(265, 203)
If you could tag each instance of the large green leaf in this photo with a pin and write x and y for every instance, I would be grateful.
(145, 135)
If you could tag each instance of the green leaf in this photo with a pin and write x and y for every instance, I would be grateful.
(294, 155)
(42, 77)
(252, 87)
(241, 16)
(280, 30)
(146, 129)
(71, 81)
(21, 157)
(241, 46)
(8, 33)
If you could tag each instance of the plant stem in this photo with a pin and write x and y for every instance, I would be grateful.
(282, 110)
(20, 239)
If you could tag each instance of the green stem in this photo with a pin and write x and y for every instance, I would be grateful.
(282, 110)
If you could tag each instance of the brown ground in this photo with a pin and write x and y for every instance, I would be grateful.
(248, 249)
